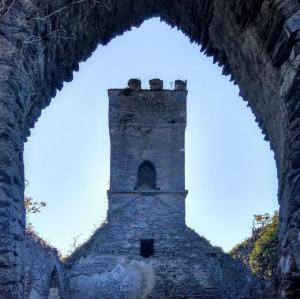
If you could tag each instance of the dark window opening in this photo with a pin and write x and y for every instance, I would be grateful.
(146, 176)
(147, 248)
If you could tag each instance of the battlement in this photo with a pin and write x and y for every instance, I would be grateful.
(155, 106)
(155, 85)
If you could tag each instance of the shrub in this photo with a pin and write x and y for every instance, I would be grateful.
(264, 254)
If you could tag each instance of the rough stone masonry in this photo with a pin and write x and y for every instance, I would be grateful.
(145, 249)
(256, 42)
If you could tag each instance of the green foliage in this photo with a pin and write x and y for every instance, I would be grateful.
(260, 220)
(260, 251)
(264, 254)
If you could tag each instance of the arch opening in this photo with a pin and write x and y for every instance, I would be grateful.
(132, 62)
(146, 176)
(262, 66)
(54, 285)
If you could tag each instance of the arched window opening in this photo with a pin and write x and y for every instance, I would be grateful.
(146, 176)
(54, 285)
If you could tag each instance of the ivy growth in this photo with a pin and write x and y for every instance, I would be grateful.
(260, 252)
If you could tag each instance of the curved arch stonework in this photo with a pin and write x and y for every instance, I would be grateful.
(42, 42)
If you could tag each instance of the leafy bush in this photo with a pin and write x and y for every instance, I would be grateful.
(260, 251)
(264, 255)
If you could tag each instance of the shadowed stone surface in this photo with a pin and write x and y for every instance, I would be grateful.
(256, 42)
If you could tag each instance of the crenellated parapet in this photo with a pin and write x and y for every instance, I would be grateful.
(155, 84)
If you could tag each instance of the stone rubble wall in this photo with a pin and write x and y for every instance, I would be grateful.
(40, 262)
(184, 265)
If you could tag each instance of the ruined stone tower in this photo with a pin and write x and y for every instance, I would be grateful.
(145, 249)
(147, 130)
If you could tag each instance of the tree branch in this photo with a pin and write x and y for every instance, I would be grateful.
(70, 5)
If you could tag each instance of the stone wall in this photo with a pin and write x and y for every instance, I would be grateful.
(44, 272)
(184, 265)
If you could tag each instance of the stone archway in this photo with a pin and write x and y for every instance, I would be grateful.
(42, 42)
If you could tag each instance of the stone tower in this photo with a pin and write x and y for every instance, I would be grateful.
(145, 249)
(147, 129)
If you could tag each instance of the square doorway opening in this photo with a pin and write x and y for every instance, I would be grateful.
(147, 248)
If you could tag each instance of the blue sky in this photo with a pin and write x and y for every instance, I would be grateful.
(230, 169)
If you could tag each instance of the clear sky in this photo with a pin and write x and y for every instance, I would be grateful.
(230, 169)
